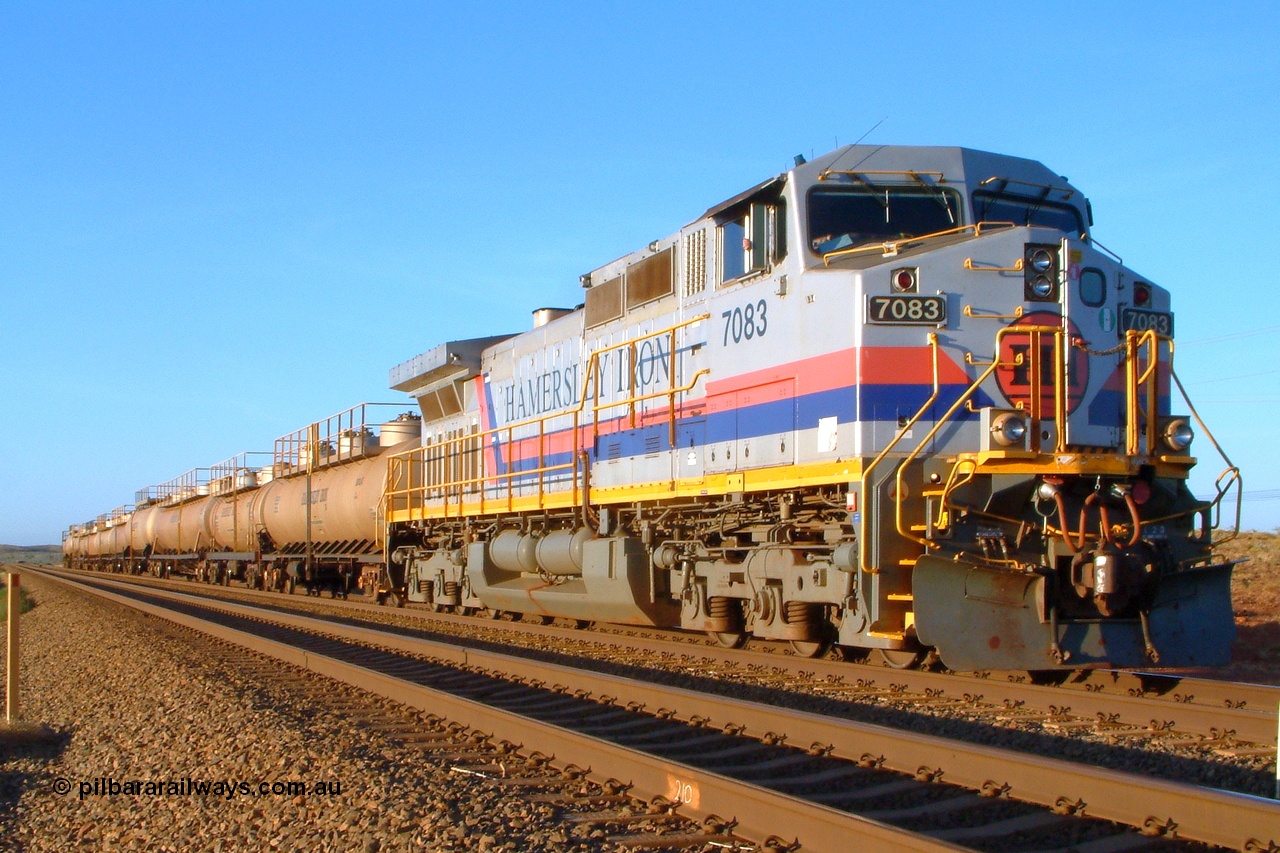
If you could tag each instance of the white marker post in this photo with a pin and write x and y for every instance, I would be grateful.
(11, 679)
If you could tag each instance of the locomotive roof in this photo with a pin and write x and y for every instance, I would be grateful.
(952, 164)
(934, 165)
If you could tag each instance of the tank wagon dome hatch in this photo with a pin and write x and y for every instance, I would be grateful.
(435, 377)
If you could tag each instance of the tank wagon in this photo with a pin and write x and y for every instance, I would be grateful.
(896, 399)
(311, 514)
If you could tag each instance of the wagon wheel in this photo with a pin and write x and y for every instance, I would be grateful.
(582, 624)
(730, 639)
(900, 658)
(493, 613)
(546, 619)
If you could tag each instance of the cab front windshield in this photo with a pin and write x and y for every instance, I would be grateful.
(1021, 210)
(846, 217)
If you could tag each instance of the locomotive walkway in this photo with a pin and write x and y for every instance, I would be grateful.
(766, 770)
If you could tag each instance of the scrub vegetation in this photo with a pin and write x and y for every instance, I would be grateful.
(1255, 595)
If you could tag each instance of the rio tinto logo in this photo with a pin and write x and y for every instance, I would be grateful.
(1017, 362)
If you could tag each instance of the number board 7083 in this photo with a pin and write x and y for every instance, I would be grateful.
(907, 310)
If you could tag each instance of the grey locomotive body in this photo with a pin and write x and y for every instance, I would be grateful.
(894, 399)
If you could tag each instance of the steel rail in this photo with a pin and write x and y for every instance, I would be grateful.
(760, 813)
(1195, 706)
(1200, 814)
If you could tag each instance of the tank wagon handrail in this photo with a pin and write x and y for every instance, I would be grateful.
(313, 446)
(400, 465)
(889, 248)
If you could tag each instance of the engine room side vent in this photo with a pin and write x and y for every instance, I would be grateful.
(613, 450)
(695, 262)
(604, 302)
(651, 278)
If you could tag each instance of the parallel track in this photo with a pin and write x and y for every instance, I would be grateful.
(1227, 715)
(726, 756)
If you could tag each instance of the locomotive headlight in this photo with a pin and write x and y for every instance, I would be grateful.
(1040, 272)
(1177, 434)
(1008, 429)
(1041, 260)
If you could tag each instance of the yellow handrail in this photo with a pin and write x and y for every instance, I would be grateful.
(970, 264)
(892, 247)
(403, 463)
(928, 438)
(864, 548)
(969, 312)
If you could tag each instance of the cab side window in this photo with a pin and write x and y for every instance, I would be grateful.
(752, 241)
(733, 249)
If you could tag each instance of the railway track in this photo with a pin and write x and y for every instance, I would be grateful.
(772, 773)
(1222, 718)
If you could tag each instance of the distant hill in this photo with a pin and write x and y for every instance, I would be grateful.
(44, 555)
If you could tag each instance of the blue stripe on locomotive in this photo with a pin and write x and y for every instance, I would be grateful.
(763, 419)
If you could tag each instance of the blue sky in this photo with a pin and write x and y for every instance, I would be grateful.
(220, 221)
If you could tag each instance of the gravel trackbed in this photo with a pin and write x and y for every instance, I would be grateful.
(133, 703)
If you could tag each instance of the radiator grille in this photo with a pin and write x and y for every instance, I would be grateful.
(695, 262)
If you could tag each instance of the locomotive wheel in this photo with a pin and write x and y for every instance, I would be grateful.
(730, 639)
(811, 648)
(900, 658)
(493, 613)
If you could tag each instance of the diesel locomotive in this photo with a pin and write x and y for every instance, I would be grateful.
(893, 400)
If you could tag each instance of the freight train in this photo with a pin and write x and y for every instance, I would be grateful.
(892, 400)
